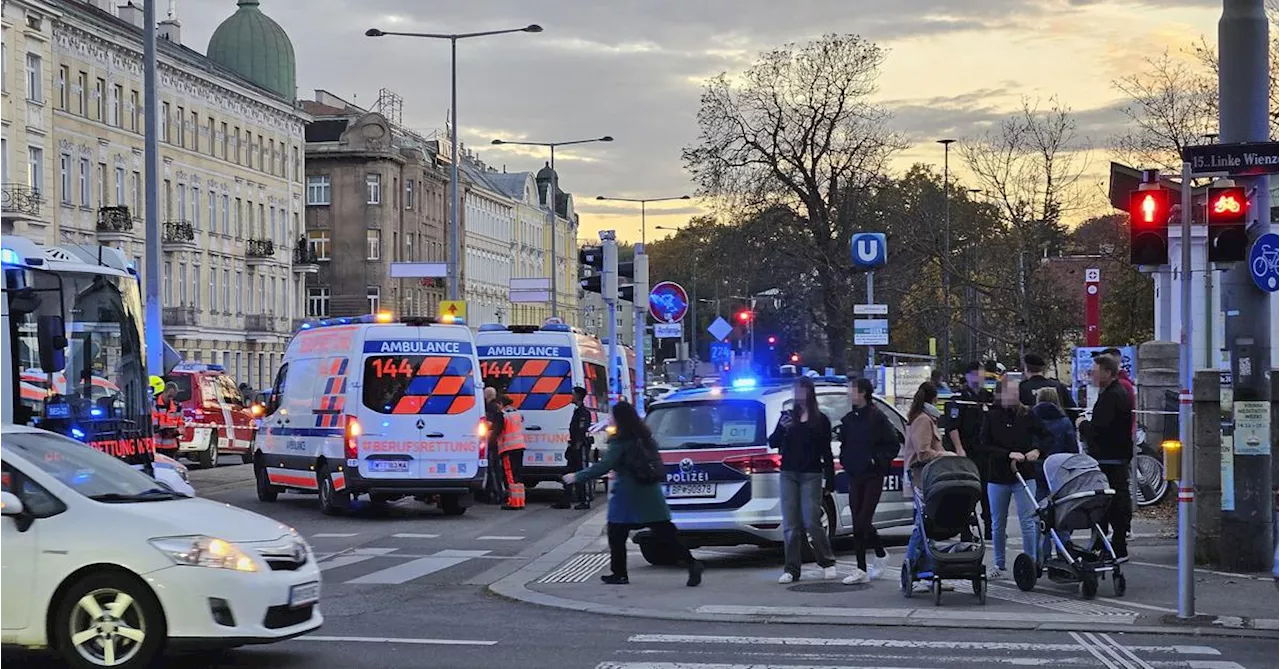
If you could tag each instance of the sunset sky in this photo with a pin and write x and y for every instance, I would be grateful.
(634, 69)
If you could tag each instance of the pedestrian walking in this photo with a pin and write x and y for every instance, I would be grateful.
(1108, 438)
(578, 452)
(1010, 438)
(868, 446)
(963, 423)
(922, 446)
(637, 500)
(1035, 366)
(803, 437)
(511, 448)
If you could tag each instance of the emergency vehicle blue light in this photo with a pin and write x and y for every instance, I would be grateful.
(745, 382)
(10, 257)
(305, 326)
(96, 412)
(556, 327)
(494, 327)
(77, 434)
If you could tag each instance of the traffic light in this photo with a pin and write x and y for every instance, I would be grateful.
(744, 317)
(1149, 227)
(1228, 212)
(627, 270)
(591, 261)
(773, 341)
(795, 358)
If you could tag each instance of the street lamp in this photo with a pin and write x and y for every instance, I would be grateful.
(643, 202)
(946, 256)
(551, 204)
(455, 244)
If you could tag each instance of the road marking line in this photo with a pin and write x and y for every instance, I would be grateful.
(1058, 660)
(408, 571)
(1213, 664)
(1224, 574)
(1095, 652)
(499, 538)
(335, 535)
(411, 535)
(379, 639)
(1117, 652)
(690, 639)
(449, 552)
(1126, 650)
(355, 556)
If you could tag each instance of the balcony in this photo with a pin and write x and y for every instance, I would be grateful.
(259, 323)
(305, 260)
(180, 316)
(259, 251)
(115, 225)
(20, 202)
(178, 236)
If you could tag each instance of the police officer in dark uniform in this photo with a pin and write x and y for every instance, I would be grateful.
(577, 453)
(965, 413)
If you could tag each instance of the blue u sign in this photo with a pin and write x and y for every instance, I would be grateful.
(1264, 262)
(869, 250)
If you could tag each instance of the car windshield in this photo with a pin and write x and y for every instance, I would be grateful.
(101, 396)
(708, 424)
(87, 471)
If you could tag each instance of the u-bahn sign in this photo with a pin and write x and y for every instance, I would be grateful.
(1237, 160)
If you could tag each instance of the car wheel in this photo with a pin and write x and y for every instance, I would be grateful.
(452, 505)
(332, 502)
(657, 554)
(209, 456)
(266, 491)
(247, 456)
(109, 620)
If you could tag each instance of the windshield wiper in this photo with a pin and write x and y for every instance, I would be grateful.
(152, 495)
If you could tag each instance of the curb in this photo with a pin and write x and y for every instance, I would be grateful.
(514, 587)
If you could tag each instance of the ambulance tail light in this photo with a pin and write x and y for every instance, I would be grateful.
(482, 429)
(351, 438)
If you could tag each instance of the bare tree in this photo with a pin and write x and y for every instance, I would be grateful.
(1173, 104)
(798, 130)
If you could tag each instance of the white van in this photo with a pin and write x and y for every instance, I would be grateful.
(537, 367)
(383, 409)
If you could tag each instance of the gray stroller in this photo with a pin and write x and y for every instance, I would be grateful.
(1078, 499)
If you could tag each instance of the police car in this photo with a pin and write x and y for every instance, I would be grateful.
(367, 406)
(723, 479)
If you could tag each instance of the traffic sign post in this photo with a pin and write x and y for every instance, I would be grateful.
(870, 251)
(1264, 262)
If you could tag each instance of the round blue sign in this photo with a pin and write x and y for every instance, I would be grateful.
(668, 302)
(1264, 262)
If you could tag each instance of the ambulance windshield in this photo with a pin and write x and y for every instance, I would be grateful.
(533, 384)
(419, 384)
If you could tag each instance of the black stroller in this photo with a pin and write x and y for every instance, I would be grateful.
(948, 494)
(1078, 499)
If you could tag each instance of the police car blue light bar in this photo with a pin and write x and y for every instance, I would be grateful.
(745, 382)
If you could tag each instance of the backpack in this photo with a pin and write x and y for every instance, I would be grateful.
(641, 461)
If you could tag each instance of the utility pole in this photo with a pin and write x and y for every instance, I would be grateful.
(154, 311)
(1187, 480)
(871, 350)
(1243, 117)
(609, 291)
(641, 304)
(946, 257)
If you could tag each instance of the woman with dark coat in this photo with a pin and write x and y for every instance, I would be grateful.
(803, 438)
(1010, 437)
(868, 446)
(635, 502)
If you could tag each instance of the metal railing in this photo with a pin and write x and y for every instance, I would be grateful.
(114, 219)
(180, 316)
(303, 255)
(20, 198)
(178, 232)
(260, 248)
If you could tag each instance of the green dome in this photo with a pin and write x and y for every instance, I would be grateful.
(255, 47)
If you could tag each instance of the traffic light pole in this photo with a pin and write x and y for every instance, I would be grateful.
(1186, 486)
(641, 303)
(609, 289)
(1243, 117)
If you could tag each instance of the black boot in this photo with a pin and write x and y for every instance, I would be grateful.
(614, 579)
(695, 574)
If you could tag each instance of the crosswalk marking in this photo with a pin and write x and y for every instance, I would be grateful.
(335, 535)
(413, 535)
(1012, 646)
(499, 538)
(355, 556)
(408, 571)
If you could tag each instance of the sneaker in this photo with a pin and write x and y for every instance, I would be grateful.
(786, 578)
(613, 579)
(920, 587)
(858, 577)
(995, 573)
(830, 573)
(876, 569)
(695, 574)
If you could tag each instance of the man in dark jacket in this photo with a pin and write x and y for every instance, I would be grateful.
(1109, 439)
(494, 489)
(1036, 380)
(577, 454)
(963, 423)
(868, 446)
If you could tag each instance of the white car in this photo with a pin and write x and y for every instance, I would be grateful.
(173, 474)
(108, 568)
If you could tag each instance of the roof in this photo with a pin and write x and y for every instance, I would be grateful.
(511, 184)
(254, 46)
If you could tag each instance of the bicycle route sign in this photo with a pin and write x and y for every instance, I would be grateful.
(1264, 262)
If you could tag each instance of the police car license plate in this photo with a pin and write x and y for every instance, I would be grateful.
(306, 593)
(892, 483)
(691, 490)
(388, 465)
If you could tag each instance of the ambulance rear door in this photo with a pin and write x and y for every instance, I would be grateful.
(537, 371)
(594, 365)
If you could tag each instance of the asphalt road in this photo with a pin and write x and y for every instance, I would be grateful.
(406, 589)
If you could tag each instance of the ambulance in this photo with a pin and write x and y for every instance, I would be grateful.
(538, 367)
(365, 406)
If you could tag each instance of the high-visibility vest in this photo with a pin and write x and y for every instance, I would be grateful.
(512, 437)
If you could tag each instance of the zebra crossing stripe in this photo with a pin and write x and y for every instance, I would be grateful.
(354, 557)
(417, 568)
(918, 644)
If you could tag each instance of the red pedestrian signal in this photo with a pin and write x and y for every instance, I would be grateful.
(772, 340)
(1227, 213)
(1149, 227)
(744, 317)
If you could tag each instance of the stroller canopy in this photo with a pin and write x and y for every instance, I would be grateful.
(1061, 469)
(1075, 484)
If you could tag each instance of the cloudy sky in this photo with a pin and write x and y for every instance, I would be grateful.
(634, 69)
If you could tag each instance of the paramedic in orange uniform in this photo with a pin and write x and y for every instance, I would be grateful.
(511, 447)
(167, 419)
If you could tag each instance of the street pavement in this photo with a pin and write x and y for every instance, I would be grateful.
(414, 588)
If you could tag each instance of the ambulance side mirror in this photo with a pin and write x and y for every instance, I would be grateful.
(51, 333)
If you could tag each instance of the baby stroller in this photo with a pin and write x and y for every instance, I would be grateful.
(947, 496)
(1078, 500)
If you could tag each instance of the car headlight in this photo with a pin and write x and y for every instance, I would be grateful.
(201, 551)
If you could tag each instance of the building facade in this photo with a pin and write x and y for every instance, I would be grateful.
(488, 222)
(528, 248)
(230, 173)
(565, 247)
(26, 51)
(375, 195)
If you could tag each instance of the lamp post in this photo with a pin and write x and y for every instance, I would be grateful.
(946, 257)
(455, 244)
(643, 202)
(552, 189)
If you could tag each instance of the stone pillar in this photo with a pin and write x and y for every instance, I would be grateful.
(1207, 433)
(1157, 374)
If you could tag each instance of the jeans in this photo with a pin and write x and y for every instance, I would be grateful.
(864, 495)
(663, 533)
(999, 495)
(802, 514)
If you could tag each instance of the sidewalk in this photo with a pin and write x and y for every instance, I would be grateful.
(740, 584)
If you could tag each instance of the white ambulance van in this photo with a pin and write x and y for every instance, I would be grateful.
(537, 367)
(388, 410)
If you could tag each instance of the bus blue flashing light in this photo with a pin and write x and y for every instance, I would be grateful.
(77, 434)
(10, 257)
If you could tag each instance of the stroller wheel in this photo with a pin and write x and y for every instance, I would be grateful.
(1089, 585)
(907, 579)
(1118, 584)
(937, 592)
(980, 589)
(1025, 572)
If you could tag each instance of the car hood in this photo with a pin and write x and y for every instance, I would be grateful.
(192, 516)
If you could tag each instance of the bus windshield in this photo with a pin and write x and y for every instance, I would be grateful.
(101, 397)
